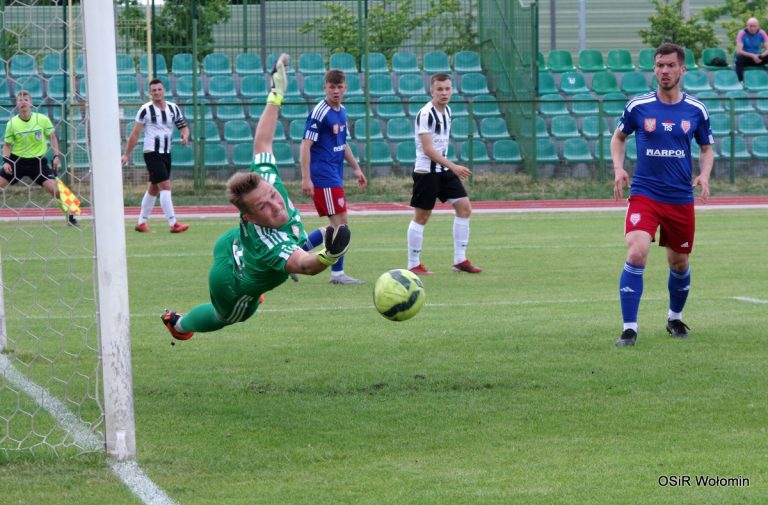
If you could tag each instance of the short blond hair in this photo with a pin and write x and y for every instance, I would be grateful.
(240, 185)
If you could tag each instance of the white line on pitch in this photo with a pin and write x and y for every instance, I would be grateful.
(750, 300)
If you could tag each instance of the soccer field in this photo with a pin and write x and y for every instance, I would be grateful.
(505, 389)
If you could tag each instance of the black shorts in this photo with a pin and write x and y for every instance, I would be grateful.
(429, 187)
(36, 169)
(158, 166)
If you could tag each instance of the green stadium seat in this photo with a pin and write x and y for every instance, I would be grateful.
(80, 65)
(410, 85)
(751, 123)
(183, 156)
(293, 87)
(415, 103)
(229, 111)
(619, 60)
(546, 84)
(709, 53)
(634, 83)
(506, 151)
(591, 60)
(31, 83)
(221, 86)
(181, 64)
(314, 86)
(437, 62)
(128, 87)
(344, 62)
(460, 128)
(242, 155)
(53, 64)
(741, 101)
(237, 130)
(630, 148)
(389, 107)
(405, 62)
(253, 85)
(405, 152)
(576, 150)
(495, 128)
(283, 154)
(380, 85)
(604, 82)
(590, 127)
(126, 65)
(22, 64)
(474, 83)
(458, 107)
(210, 131)
(613, 103)
(467, 61)
(400, 128)
(484, 106)
(542, 62)
(725, 81)
(563, 127)
(184, 86)
(552, 105)
(546, 151)
(311, 63)
(712, 100)
(690, 60)
(280, 131)
(378, 63)
(355, 108)
(559, 61)
(380, 153)
(761, 101)
(354, 87)
(296, 130)
(204, 110)
(755, 80)
(293, 110)
(217, 64)
(479, 152)
(361, 133)
(740, 150)
(572, 83)
(58, 87)
(720, 123)
(248, 64)
(760, 147)
(159, 65)
(645, 59)
(215, 156)
(584, 104)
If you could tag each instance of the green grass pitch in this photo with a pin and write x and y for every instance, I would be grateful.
(506, 388)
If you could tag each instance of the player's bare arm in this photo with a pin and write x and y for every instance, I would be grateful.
(706, 162)
(362, 182)
(306, 181)
(618, 152)
(132, 140)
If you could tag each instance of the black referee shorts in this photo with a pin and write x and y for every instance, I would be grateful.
(158, 166)
(427, 188)
(36, 169)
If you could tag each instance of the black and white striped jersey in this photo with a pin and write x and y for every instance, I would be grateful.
(438, 124)
(159, 124)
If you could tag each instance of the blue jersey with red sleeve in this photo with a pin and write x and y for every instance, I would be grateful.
(663, 133)
(327, 128)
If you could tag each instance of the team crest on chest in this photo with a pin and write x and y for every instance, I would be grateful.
(685, 125)
(649, 124)
(634, 218)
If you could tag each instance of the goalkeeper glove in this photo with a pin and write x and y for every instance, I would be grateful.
(336, 244)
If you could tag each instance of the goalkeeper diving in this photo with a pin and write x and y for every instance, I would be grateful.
(266, 248)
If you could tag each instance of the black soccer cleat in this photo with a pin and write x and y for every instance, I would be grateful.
(627, 338)
(677, 328)
(72, 221)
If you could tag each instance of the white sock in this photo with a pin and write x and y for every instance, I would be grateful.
(631, 326)
(460, 239)
(415, 241)
(147, 203)
(167, 204)
(674, 315)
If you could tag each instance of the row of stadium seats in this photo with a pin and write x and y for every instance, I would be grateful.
(620, 60)
(403, 62)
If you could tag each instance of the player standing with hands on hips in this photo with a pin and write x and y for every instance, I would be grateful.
(435, 176)
(661, 194)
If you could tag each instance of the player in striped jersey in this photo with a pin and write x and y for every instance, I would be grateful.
(158, 117)
(661, 194)
(257, 256)
(435, 176)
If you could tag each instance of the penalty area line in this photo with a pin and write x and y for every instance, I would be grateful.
(750, 300)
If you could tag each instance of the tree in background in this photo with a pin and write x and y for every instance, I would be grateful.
(737, 12)
(668, 25)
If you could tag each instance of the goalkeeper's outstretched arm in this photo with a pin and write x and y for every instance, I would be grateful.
(336, 244)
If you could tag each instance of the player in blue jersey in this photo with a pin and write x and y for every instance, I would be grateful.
(323, 151)
(259, 255)
(751, 47)
(661, 194)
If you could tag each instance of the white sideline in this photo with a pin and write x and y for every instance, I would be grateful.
(750, 300)
(128, 471)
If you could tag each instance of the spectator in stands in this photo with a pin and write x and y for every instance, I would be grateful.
(435, 176)
(323, 151)
(26, 143)
(159, 117)
(749, 42)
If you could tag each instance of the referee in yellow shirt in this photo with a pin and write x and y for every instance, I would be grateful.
(26, 142)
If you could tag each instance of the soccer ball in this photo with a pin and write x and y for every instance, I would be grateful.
(398, 294)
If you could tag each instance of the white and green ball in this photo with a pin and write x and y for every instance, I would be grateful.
(398, 294)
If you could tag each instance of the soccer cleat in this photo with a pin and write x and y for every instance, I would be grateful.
(466, 266)
(170, 318)
(345, 279)
(279, 80)
(677, 328)
(627, 339)
(71, 221)
(142, 228)
(420, 270)
(179, 228)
